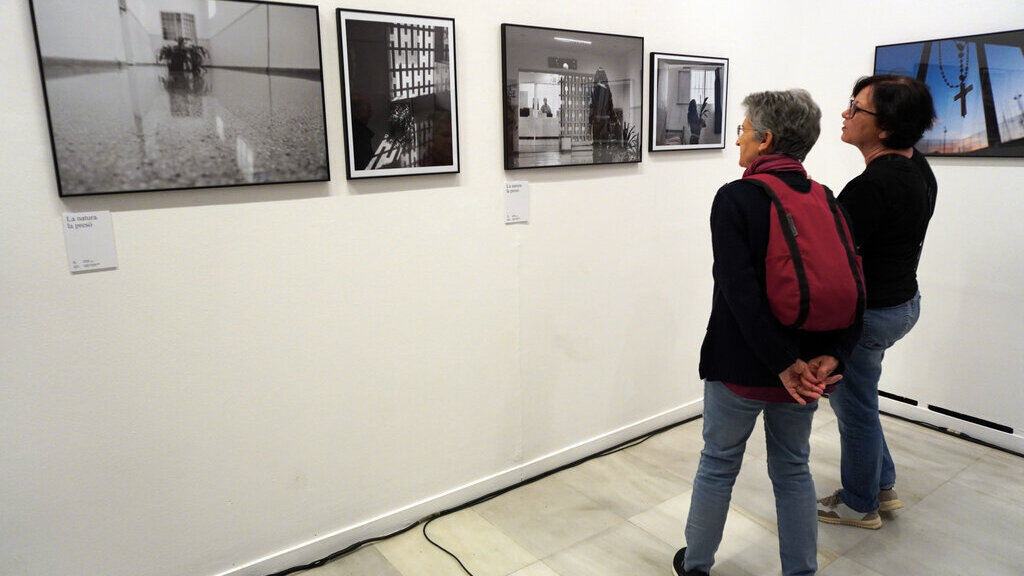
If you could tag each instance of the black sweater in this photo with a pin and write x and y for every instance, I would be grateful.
(889, 206)
(744, 343)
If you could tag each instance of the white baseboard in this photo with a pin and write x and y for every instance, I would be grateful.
(1012, 442)
(395, 520)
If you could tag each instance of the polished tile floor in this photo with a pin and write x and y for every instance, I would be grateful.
(622, 515)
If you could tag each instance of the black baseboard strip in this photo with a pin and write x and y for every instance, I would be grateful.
(903, 399)
(971, 419)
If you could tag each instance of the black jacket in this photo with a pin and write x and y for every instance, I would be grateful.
(744, 343)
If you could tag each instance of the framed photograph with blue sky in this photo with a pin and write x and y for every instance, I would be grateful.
(977, 83)
(688, 96)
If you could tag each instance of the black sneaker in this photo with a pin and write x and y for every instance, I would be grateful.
(677, 565)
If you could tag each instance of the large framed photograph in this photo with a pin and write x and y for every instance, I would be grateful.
(976, 83)
(145, 95)
(570, 97)
(399, 95)
(688, 96)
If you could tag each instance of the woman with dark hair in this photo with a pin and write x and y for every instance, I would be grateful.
(751, 364)
(696, 119)
(889, 205)
(601, 109)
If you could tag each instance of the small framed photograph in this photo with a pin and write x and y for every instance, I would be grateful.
(570, 97)
(688, 96)
(168, 95)
(399, 94)
(976, 83)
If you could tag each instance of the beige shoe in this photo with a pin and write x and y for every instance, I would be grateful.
(832, 510)
(888, 500)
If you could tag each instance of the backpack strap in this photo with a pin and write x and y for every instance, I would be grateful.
(848, 243)
(769, 183)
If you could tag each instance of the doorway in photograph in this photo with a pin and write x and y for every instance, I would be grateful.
(571, 98)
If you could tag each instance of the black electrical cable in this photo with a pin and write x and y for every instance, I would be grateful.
(335, 555)
(427, 520)
(619, 447)
(954, 433)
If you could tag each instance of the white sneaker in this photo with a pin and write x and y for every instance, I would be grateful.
(832, 510)
(888, 500)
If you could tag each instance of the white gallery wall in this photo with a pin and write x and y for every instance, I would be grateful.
(275, 372)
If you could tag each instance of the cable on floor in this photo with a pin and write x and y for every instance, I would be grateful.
(427, 520)
(951, 432)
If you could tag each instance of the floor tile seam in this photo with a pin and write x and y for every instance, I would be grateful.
(872, 557)
(609, 530)
(653, 535)
(769, 525)
(955, 484)
(630, 455)
(1016, 503)
(593, 504)
(955, 479)
(437, 552)
(464, 555)
(590, 504)
(376, 546)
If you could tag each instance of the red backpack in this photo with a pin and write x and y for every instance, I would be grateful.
(814, 277)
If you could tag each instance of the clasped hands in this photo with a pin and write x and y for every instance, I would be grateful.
(806, 381)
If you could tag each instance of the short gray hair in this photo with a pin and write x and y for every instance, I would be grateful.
(790, 115)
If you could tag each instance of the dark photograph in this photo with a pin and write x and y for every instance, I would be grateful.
(571, 98)
(688, 96)
(977, 83)
(173, 94)
(398, 94)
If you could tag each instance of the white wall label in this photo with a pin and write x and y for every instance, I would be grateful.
(89, 237)
(517, 202)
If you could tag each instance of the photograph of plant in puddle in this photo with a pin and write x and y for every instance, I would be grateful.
(151, 96)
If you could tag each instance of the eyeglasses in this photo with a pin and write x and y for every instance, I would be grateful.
(853, 109)
(741, 129)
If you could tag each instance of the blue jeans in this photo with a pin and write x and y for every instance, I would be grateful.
(728, 421)
(866, 464)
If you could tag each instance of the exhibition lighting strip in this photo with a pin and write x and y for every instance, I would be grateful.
(572, 40)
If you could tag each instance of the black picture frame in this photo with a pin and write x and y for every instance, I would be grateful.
(595, 82)
(688, 102)
(980, 114)
(399, 94)
(142, 96)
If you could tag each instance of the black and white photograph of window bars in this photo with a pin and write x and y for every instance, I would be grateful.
(399, 94)
(146, 95)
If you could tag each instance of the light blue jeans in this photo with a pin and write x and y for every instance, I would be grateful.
(866, 464)
(728, 421)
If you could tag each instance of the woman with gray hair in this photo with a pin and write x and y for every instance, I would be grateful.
(749, 361)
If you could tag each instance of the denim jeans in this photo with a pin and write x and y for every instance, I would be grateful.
(866, 464)
(728, 421)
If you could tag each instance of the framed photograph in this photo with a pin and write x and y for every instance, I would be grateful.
(166, 95)
(688, 96)
(977, 84)
(398, 94)
(570, 97)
